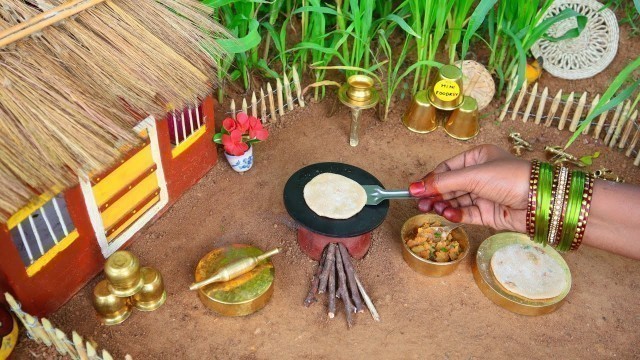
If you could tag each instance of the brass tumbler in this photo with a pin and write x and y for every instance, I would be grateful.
(123, 272)
(152, 295)
(446, 92)
(463, 122)
(421, 115)
(111, 309)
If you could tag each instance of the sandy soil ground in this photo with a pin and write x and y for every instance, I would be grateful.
(421, 317)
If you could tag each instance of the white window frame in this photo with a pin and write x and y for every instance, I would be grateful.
(107, 247)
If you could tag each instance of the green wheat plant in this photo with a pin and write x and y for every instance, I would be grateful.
(514, 27)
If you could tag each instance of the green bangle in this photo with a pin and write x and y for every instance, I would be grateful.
(543, 206)
(574, 203)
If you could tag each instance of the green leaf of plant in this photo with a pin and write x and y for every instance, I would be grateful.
(403, 24)
(637, 4)
(587, 160)
(217, 138)
(571, 33)
(244, 44)
(596, 154)
(605, 102)
(476, 19)
(541, 29)
(317, 9)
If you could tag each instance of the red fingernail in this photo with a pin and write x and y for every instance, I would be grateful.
(417, 188)
(452, 214)
(440, 206)
(425, 205)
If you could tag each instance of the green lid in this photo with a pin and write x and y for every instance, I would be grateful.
(450, 72)
(469, 104)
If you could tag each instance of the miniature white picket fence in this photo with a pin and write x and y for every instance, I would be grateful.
(42, 331)
(621, 129)
(269, 98)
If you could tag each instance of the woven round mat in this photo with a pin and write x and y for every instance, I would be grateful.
(589, 53)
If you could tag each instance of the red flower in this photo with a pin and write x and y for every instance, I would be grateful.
(256, 130)
(242, 121)
(229, 124)
(233, 144)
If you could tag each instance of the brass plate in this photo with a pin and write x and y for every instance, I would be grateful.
(496, 293)
(241, 296)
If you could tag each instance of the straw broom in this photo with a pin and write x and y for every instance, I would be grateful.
(71, 93)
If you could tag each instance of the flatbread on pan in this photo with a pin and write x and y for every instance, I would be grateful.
(528, 271)
(334, 196)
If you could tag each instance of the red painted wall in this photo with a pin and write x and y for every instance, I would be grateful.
(71, 269)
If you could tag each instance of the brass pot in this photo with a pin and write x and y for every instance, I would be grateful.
(424, 266)
(446, 92)
(421, 115)
(463, 122)
(360, 88)
(111, 309)
(152, 295)
(123, 272)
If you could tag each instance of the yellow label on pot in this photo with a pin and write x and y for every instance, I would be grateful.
(446, 90)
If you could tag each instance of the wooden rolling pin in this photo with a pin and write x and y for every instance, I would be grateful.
(235, 269)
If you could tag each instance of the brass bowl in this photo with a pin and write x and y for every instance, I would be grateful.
(123, 272)
(492, 289)
(241, 296)
(152, 295)
(421, 116)
(446, 92)
(359, 88)
(428, 267)
(463, 122)
(111, 309)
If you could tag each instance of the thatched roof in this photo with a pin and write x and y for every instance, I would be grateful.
(71, 94)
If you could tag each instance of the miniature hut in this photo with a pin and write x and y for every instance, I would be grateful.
(88, 153)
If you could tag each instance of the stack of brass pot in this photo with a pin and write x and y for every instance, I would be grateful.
(444, 103)
(127, 285)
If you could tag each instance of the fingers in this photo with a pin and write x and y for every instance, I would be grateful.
(478, 155)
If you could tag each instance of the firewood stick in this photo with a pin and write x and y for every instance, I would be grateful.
(311, 295)
(332, 288)
(342, 289)
(351, 278)
(329, 265)
(349, 309)
(367, 300)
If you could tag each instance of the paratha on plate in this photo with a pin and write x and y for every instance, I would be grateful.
(528, 271)
(334, 196)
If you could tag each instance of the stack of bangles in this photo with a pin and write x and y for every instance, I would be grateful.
(558, 205)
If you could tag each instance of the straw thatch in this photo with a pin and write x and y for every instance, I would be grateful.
(71, 93)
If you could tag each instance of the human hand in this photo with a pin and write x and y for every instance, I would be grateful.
(482, 186)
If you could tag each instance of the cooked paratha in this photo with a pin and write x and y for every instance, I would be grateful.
(334, 196)
(528, 271)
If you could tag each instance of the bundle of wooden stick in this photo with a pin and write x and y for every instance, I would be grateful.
(336, 275)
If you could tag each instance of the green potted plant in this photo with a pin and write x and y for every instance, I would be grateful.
(236, 136)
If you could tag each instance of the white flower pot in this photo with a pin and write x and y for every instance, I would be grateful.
(241, 163)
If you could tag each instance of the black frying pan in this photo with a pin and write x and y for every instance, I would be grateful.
(369, 218)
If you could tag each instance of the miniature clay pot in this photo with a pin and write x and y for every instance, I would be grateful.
(112, 310)
(152, 295)
(123, 273)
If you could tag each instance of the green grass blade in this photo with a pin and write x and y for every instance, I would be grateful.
(318, 9)
(476, 19)
(403, 24)
(246, 43)
(541, 29)
(606, 101)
